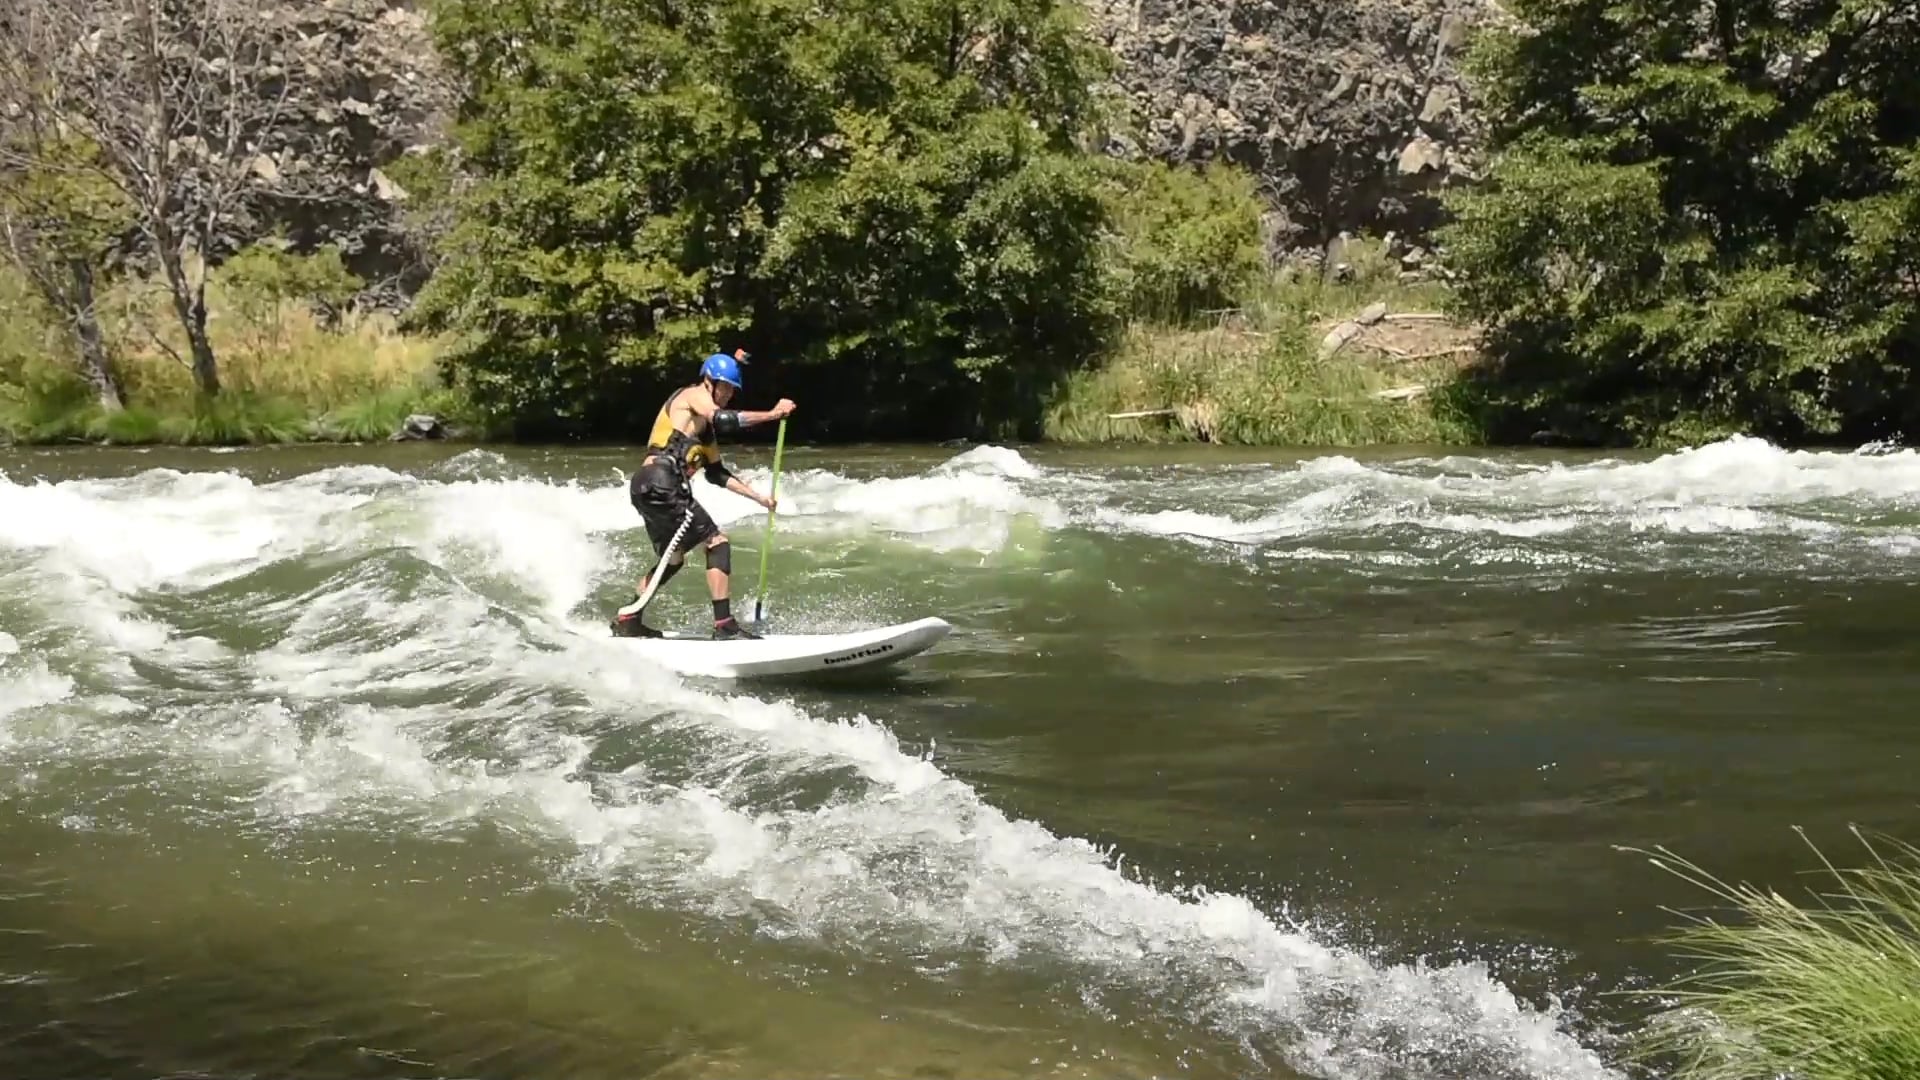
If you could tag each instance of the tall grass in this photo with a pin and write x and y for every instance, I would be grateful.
(1828, 990)
(1256, 377)
(1230, 387)
(1294, 296)
(286, 375)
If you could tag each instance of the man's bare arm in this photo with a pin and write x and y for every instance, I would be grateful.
(735, 485)
(719, 475)
(726, 420)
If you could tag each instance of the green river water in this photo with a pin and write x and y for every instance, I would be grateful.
(320, 762)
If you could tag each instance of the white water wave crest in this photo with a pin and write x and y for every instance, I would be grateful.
(1805, 506)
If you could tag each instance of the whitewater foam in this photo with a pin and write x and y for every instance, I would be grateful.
(1810, 508)
(29, 687)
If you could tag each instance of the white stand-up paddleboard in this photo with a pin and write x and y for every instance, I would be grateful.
(779, 654)
(791, 654)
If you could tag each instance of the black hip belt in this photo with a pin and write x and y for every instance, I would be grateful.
(662, 479)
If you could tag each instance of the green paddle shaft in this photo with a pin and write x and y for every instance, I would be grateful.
(766, 549)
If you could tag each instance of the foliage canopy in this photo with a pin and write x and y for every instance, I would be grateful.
(1698, 221)
(884, 199)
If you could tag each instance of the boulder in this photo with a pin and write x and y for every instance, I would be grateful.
(419, 426)
(1338, 337)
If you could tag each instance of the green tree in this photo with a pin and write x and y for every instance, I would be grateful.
(884, 195)
(1699, 220)
(187, 115)
(1187, 239)
(267, 276)
(60, 227)
(61, 222)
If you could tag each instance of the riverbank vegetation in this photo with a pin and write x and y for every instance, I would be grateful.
(296, 363)
(892, 210)
(1696, 223)
(1826, 990)
(899, 212)
(1289, 363)
(905, 214)
(149, 156)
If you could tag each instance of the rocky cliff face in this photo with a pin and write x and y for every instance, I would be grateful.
(1352, 112)
(368, 91)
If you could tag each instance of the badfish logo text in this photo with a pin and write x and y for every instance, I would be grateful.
(875, 651)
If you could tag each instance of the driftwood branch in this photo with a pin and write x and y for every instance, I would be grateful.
(1407, 356)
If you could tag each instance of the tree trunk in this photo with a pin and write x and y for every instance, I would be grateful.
(205, 372)
(93, 347)
(190, 305)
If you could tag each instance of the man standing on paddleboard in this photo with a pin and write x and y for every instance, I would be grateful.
(684, 441)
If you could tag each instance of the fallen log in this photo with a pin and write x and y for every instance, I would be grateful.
(1404, 355)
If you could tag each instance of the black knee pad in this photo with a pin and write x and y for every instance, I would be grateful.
(720, 557)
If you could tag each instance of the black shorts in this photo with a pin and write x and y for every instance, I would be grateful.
(664, 501)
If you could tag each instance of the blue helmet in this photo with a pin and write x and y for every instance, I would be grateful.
(721, 368)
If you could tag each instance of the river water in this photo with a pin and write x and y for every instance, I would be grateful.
(320, 762)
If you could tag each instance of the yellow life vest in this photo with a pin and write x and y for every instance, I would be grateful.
(665, 438)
